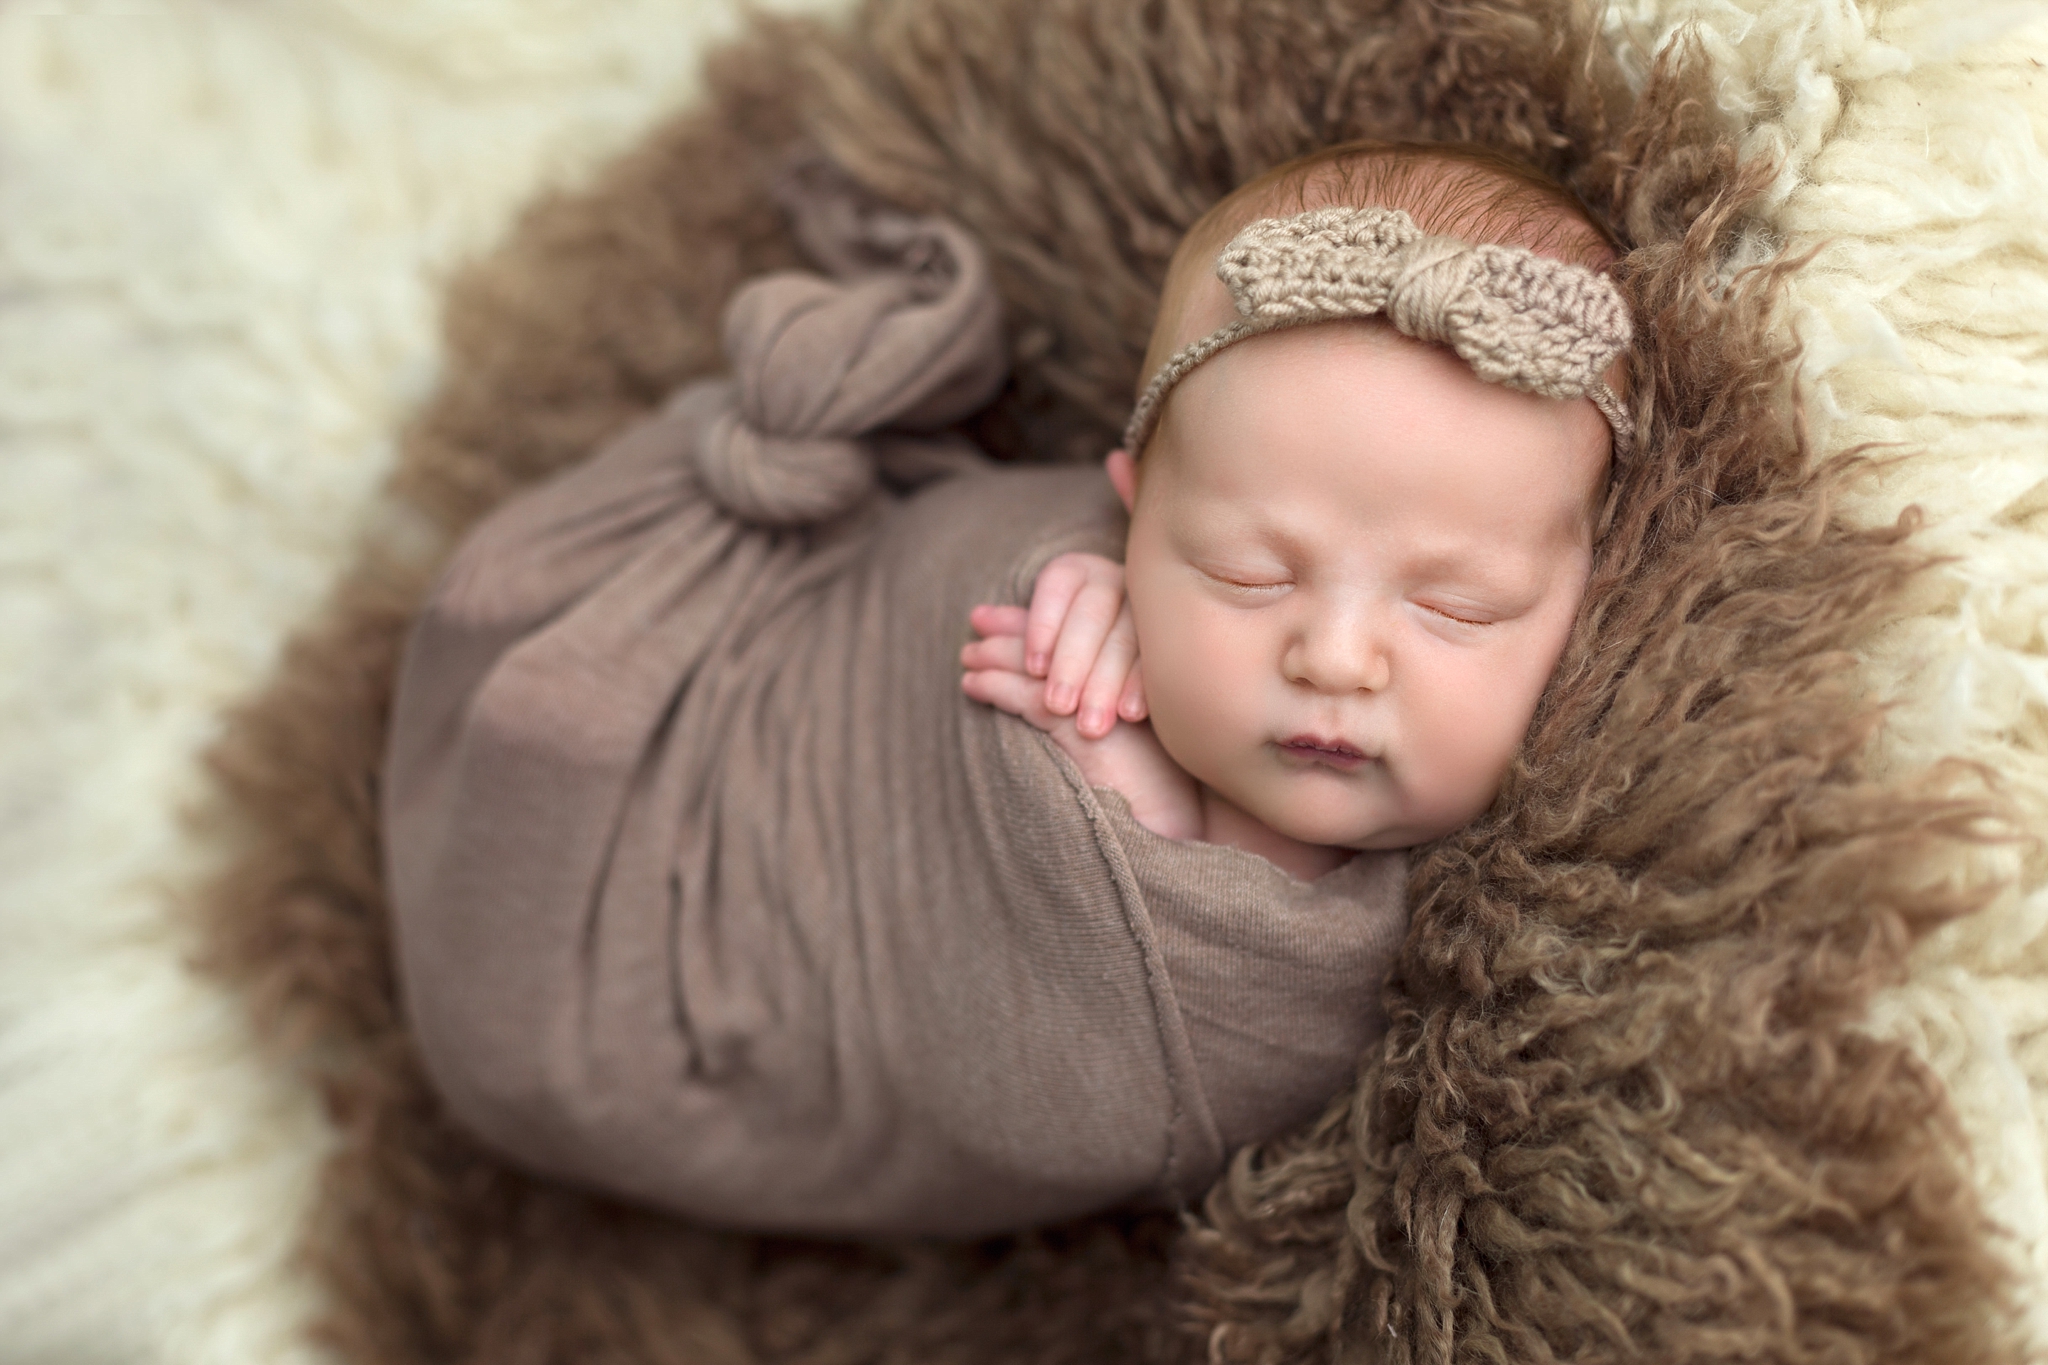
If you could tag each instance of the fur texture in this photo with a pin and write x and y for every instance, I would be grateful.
(1911, 148)
(224, 233)
(1625, 1112)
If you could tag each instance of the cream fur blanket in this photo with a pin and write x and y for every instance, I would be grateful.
(221, 233)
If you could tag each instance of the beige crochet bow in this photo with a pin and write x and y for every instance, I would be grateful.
(1527, 321)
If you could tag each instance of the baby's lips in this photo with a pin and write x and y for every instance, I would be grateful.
(1324, 744)
(1328, 750)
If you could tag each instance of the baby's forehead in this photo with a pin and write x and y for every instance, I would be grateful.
(1323, 390)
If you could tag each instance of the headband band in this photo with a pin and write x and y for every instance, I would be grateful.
(1529, 322)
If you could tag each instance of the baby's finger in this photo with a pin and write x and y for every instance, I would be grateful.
(1059, 582)
(988, 619)
(1102, 693)
(1089, 622)
(997, 651)
(1132, 706)
(1009, 691)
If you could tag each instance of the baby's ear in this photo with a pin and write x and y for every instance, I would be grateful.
(1123, 476)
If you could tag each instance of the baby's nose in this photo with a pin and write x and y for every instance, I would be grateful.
(1340, 652)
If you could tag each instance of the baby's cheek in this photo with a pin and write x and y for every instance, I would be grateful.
(1183, 697)
(1473, 723)
(1197, 687)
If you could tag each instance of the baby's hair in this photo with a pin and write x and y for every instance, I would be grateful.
(1456, 188)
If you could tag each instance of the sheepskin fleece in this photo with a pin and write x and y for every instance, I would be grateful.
(1910, 137)
(224, 229)
(1918, 173)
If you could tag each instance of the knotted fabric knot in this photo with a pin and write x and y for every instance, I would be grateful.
(1520, 319)
(780, 480)
(907, 337)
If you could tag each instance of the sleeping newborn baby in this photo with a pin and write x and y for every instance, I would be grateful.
(713, 888)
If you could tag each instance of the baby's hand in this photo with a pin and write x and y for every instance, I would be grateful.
(1101, 655)
(1079, 637)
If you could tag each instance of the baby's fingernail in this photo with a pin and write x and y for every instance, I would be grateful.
(1059, 697)
(1094, 722)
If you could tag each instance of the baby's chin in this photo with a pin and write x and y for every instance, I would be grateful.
(1314, 822)
(1327, 828)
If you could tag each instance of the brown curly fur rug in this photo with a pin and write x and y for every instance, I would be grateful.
(1624, 1113)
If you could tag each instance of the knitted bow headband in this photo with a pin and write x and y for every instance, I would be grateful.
(1527, 321)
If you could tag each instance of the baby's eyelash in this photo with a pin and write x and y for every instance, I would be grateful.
(1245, 586)
(1453, 616)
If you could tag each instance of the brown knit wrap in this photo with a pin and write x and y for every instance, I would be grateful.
(1520, 319)
(714, 892)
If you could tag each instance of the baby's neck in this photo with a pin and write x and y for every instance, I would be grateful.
(1225, 823)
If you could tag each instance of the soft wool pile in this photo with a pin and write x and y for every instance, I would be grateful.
(1910, 136)
(224, 230)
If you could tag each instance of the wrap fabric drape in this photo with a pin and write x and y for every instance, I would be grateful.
(713, 891)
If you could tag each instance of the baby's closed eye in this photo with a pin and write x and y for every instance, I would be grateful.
(1245, 581)
(1462, 613)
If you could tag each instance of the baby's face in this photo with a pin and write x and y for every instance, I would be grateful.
(1353, 565)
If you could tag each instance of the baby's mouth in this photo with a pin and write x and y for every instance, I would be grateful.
(1333, 753)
